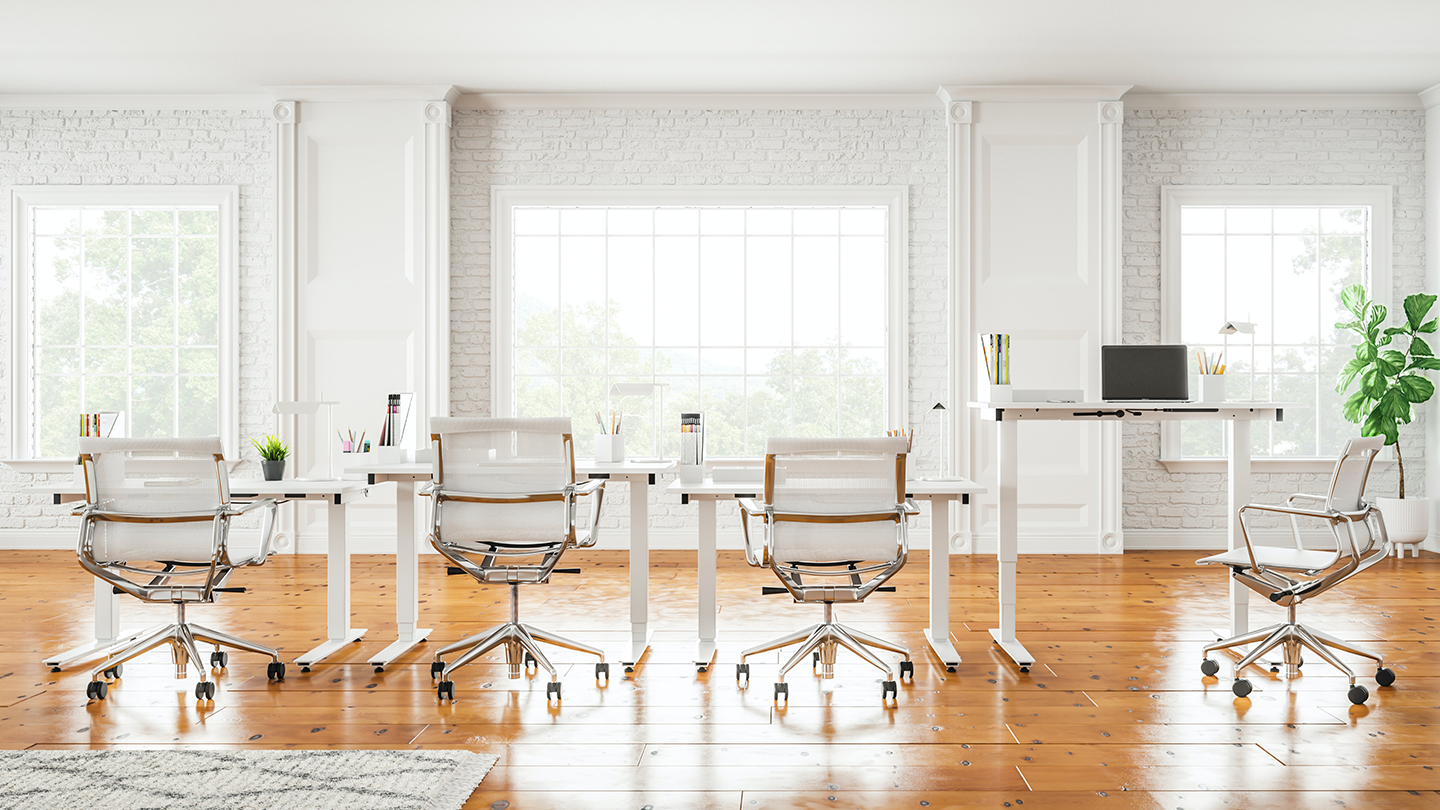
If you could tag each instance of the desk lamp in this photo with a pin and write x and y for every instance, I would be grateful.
(309, 409)
(1244, 328)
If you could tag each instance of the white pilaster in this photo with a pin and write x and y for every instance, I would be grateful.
(1431, 99)
(437, 115)
(958, 115)
(1112, 117)
(285, 114)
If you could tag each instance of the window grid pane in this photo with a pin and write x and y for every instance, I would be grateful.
(125, 306)
(1282, 268)
(771, 319)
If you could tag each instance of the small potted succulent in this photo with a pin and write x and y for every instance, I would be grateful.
(1391, 382)
(273, 453)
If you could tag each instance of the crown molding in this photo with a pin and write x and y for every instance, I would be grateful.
(1276, 101)
(695, 101)
(155, 102)
(1034, 92)
(1430, 97)
(366, 92)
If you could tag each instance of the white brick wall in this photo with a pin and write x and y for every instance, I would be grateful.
(68, 147)
(663, 147)
(1255, 147)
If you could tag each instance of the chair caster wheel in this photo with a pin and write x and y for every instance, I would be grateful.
(446, 690)
(304, 669)
(530, 662)
(888, 689)
(275, 671)
(1358, 695)
(907, 668)
(602, 669)
(1241, 687)
(1384, 676)
(96, 690)
(742, 671)
(782, 689)
(629, 669)
(814, 660)
(1024, 669)
(436, 667)
(380, 669)
(552, 688)
(702, 669)
(114, 672)
(219, 660)
(205, 690)
(1209, 667)
(949, 669)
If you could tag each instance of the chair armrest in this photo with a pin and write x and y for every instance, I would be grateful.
(588, 486)
(594, 489)
(251, 506)
(751, 508)
(1301, 496)
(267, 530)
(910, 507)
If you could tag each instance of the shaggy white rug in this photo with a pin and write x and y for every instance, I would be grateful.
(239, 780)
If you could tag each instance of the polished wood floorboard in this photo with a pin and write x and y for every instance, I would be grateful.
(1116, 713)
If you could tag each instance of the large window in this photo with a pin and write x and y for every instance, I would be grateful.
(121, 305)
(1277, 259)
(773, 319)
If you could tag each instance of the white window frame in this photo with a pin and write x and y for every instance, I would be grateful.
(1172, 198)
(23, 198)
(504, 199)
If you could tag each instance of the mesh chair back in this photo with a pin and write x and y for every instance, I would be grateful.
(505, 457)
(1347, 483)
(155, 476)
(835, 477)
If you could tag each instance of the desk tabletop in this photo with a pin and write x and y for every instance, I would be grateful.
(584, 466)
(1141, 405)
(239, 488)
(918, 487)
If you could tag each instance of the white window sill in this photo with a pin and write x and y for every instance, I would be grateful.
(59, 465)
(1267, 465)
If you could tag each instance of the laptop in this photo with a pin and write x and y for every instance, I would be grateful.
(1133, 373)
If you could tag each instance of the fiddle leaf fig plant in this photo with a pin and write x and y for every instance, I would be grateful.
(1390, 379)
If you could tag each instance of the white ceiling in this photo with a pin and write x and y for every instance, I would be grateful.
(796, 46)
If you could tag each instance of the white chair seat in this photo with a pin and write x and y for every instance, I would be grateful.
(1291, 559)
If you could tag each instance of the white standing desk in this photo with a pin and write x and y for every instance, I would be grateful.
(640, 475)
(1008, 415)
(938, 493)
(336, 494)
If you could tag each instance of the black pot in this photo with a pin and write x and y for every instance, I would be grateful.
(273, 470)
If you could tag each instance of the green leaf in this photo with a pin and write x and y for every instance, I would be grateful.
(1378, 313)
(1417, 306)
(1355, 325)
(1390, 362)
(1394, 405)
(1372, 383)
(1420, 348)
(1417, 389)
(1375, 423)
(1347, 374)
(1396, 330)
(1355, 406)
(1384, 340)
(1366, 352)
(1355, 299)
(1429, 326)
(1426, 363)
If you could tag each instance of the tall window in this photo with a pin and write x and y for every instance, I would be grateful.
(1277, 259)
(124, 309)
(771, 319)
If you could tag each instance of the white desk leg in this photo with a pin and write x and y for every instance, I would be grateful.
(107, 631)
(938, 633)
(337, 591)
(639, 570)
(407, 579)
(1007, 526)
(705, 568)
(1239, 486)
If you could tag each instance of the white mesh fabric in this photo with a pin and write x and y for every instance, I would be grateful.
(499, 457)
(1347, 484)
(834, 476)
(155, 476)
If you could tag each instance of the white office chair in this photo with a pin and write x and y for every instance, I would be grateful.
(504, 511)
(160, 509)
(1289, 576)
(834, 511)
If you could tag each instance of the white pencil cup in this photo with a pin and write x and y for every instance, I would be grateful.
(1212, 387)
(609, 448)
(997, 393)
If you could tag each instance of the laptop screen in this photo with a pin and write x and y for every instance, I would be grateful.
(1133, 372)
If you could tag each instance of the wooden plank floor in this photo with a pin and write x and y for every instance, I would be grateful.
(1116, 714)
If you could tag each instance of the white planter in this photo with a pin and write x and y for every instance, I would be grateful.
(1407, 521)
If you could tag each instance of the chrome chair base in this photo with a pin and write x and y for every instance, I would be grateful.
(825, 638)
(521, 642)
(1291, 636)
(184, 638)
